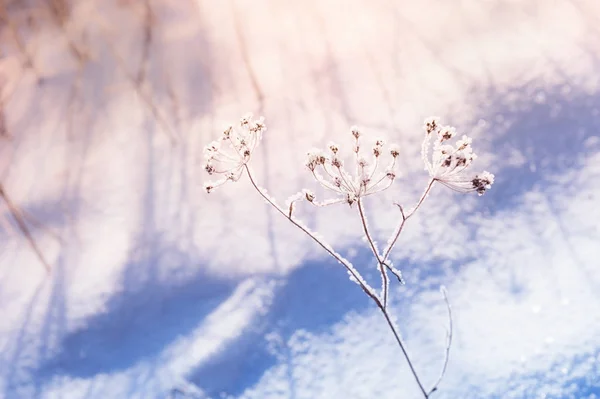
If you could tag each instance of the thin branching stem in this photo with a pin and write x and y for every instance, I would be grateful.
(405, 217)
(446, 166)
(353, 272)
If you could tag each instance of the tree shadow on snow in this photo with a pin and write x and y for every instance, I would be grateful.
(536, 133)
(139, 321)
(313, 297)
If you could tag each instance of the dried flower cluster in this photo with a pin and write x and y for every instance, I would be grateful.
(228, 155)
(448, 162)
(370, 175)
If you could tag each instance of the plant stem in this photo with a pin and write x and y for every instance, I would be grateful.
(382, 268)
(405, 217)
(403, 347)
(448, 343)
(353, 272)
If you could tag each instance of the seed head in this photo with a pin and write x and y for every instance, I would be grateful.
(483, 182)
(333, 148)
(447, 163)
(431, 124)
(350, 198)
(371, 177)
(246, 119)
(446, 133)
(209, 168)
(233, 150)
(463, 143)
(310, 197)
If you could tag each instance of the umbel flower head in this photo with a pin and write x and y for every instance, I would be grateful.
(447, 163)
(228, 155)
(370, 175)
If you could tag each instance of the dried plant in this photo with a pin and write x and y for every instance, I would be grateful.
(229, 158)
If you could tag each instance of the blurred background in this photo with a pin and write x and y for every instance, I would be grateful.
(157, 290)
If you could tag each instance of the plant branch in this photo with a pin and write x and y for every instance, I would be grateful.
(395, 272)
(351, 270)
(381, 264)
(405, 217)
(448, 343)
(403, 348)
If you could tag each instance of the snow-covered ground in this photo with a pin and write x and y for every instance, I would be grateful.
(159, 290)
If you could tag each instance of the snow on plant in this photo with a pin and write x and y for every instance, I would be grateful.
(231, 153)
(448, 162)
(368, 178)
(372, 171)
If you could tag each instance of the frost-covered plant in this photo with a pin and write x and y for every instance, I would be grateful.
(229, 157)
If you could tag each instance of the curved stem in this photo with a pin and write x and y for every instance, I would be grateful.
(448, 343)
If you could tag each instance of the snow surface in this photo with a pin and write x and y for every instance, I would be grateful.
(158, 290)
